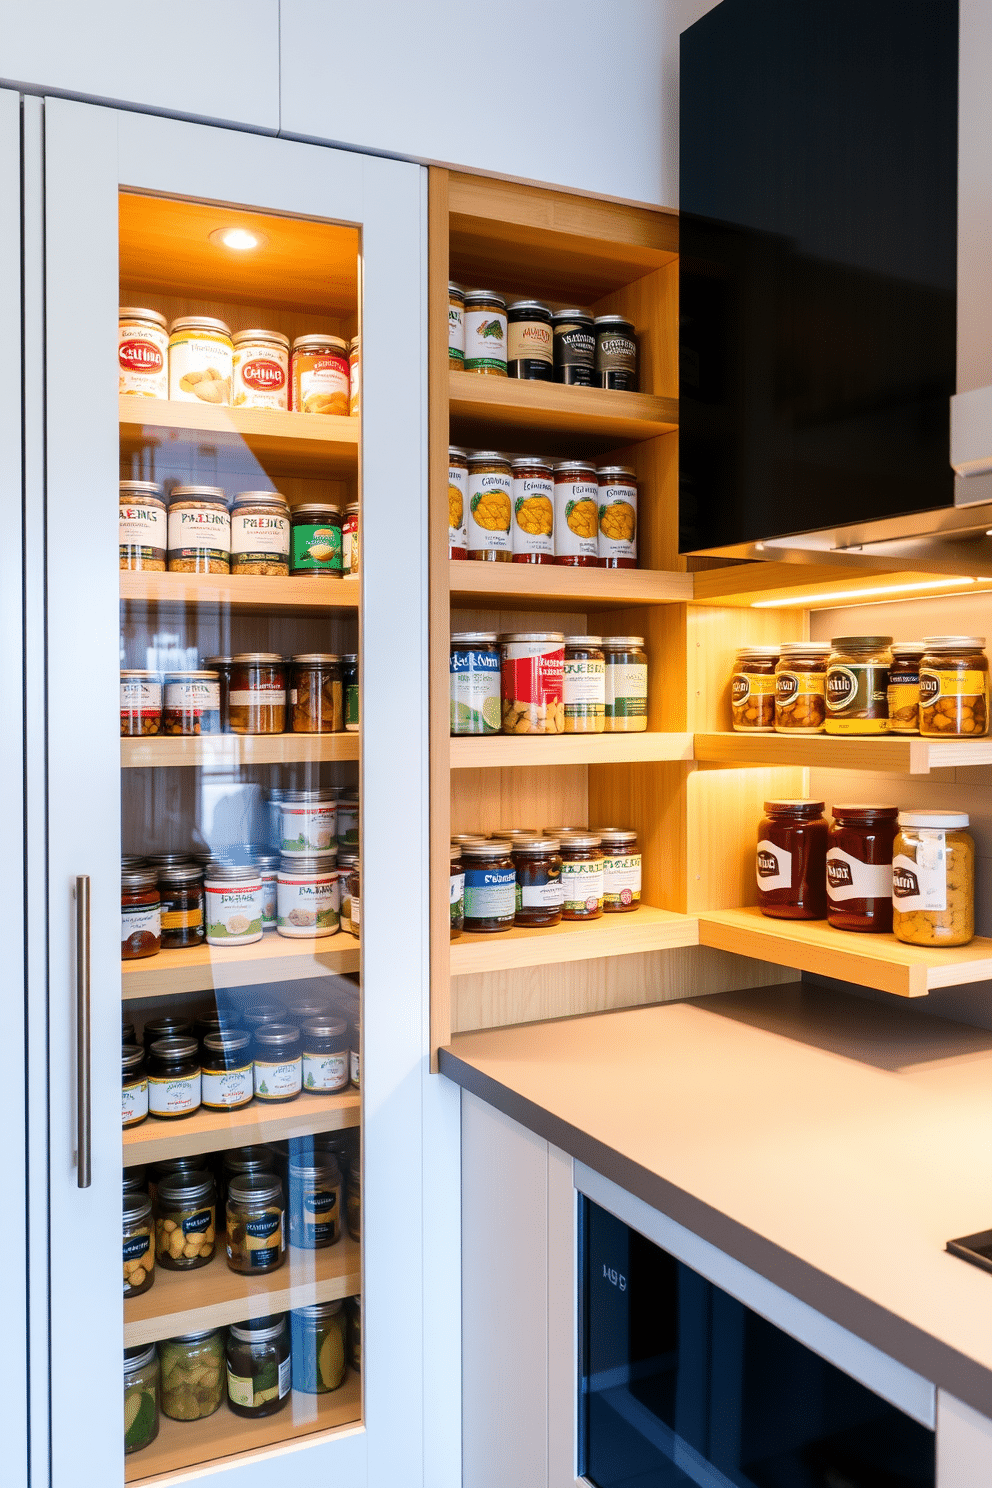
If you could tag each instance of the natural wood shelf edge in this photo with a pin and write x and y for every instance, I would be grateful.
(892, 754)
(548, 585)
(216, 1131)
(596, 412)
(506, 751)
(645, 929)
(244, 592)
(236, 749)
(310, 443)
(274, 958)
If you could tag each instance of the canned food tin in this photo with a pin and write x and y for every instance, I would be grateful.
(574, 347)
(308, 821)
(529, 351)
(576, 515)
(201, 360)
(457, 502)
(584, 685)
(617, 517)
(142, 353)
(316, 539)
(199, 530)
(485, 333)
(616, 353)
(532, 670)
(533, 511)
(261, 369)
(489, 507)
(308, 895)
(474, 682)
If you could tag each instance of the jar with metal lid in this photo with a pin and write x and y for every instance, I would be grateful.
(316, 696)
(457, 502)
(237, 1160)
(315, 1198)
(456, 884)
(227, 1073)
(581, 876)
(141, 703)
(355, 376)
(459, 838)
(259, 1367)
(321, 375)
(256, 1241)
(904, 687)
(576, 514)
(474, 683)
(954, 688)
(348, 819)
(351, 541)
(800, 684)
(135, 1179)
(142, 526)
(199, 530)
(456, 327)
(584, 685)
(616, 353)
(490, 886)
(185, 1220)
(752, 690)
(617, 516)
(193, 1374)
(258, 693)
(326, 1047)
(308, 899)
(201, 360)
(316, 539)
(128, 1035)
(134, 1086)
(507, 834)
(222, 666)
(354, 1310)
(260, 369)
(859, 868)
(857, 684)
(139, 1244)
(933, 879)
(574, 347)
(174, 1089)
(347, 864)
(621, 870)
(791, 863)
(319, 1346)
(626, 684)
(353, 1201)
(531, 682)
(268, 867)
(141, 1397)
(308, 821)
(352, 694)
(172, 1167)
(489, 507)
(263, 1010)
(260, 533)
(356, 1052)
(351, 896)
(192, 704)
(167, 1025)
(141, 914)
(234, 903)
(485, 333)
(278, 1062)
(142, 353)
(539, 889)
(529, 345)
(533, 502)
(221, 1020)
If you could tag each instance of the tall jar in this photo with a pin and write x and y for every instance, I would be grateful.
(800, 685)
(260, 533)
(141, 1397)
(954, 687)
(621, 870)
(192, 1374)
(474, 683)
(319, 1340)
(355, 376)
(186, 1221)
(353, 890)
(531, 682)
(259, 1367)
(315, 1201)
(139, 1244)
(142, 526)
(856, 686)
(222, 666)
(316, 696)
(258, 693)
(626, 684)
(490, 887)
(347, 865)
(316, 540)
(485, 333)
(574, 347)
(582, 876)
(489, 508)
(904, 687)
(616, 353)
(533, 511)
(859, 868)
(256, 1240)
(141, 914)
(529, 347)
(617, 516)
(134, 1086)
(540, 892)
(576, 514)
(584, 685)
(352, 692)
(348, 820)
(791, 861)
(752, 690)
(234, 903)
(457, 502)
(933, 879)
(456, 327)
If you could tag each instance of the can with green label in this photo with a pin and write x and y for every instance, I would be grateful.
(315, 541)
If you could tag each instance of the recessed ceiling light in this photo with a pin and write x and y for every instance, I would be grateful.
(238, 238)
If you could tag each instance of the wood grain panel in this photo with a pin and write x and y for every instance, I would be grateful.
(492, 800)
(713, 638)
(274, 958)
(233, 750)
(500, 751)
(651, 304)
(723, 810)
(890, 754)
(593, 590)
(650, 800)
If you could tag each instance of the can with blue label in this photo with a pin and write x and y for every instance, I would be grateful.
(474, 675)
(490, 886)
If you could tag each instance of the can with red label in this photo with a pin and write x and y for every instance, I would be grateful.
(261, 369)
(142, 353)
(533, 664)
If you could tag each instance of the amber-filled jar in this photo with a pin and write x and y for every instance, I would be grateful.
(258, 693)
(903, 695)
(183, 908)
(954, 687)
(582, 876)
(859, 867)
(540, 894)
(792, 861)
(490, 886)
(857, 685)
(317, 696)
(800, 684)
(621, 870)
(752, 690)
(141, 914)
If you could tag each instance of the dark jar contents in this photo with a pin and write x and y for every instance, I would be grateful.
(457, 890)
(257, 700)
(256, 1238)
(859, 867)
(791, 862)
(278, 1062)
(185, 1221)
(222, 666)
(490, 887)
(315, 1198)
(752, 690)
(540, 894)
(616, 353)
(529, 347)
(167, 1025)
(174, 1077)
(227, 1071)
(259, 1367)
(183, 908)
(141, 914)
(582, 876)
(326, 1054)
(134, 1086)
(574, 347)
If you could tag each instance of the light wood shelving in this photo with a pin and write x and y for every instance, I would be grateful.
(232, 750)
(531, 586)
(274, 958)
(303, 444)
(242, 593)
(508, 751)
(891, 755)
(215, 1131)
(516, 411)
(646, 929)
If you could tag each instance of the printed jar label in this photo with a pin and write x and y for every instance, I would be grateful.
(849, 878)
(773, 866)
(485, 341)
(626, 689)
(921, 883)
(308, 903)
(222, 1090)
(234, 914)
(576, 519)
(276, 1081)
(200, 534)
(474, 683)
(269, 902)
(325, 1072)
(857, 689)
(347, 827)
(134, 1104)
(489, 510)
(582, 886)
(547, 893)
(142, 352)
(308, 829)
(144, 698)
(529, 340)
(261, 377)
(457, 503)
(791, 685)
(456, 334)
(173, 1097)
(575, 347)
(181, 919)
(355, 1067)
(200, 366)
(456, 885)
(584, 689)
(264, 1228)
(622, 879)
(490, 893)
(255, 538)
(935, 685)
(744, 687)
(533, 515)
(136, 1246)
(533, 672)
(143, 531)
(316, 549)
(192, 697)
(241, 1390)
(198, 1223)
(618, 522)
(141, 920)
(322, 382)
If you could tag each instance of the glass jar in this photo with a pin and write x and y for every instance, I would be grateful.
(199, 530)
(348, 820)
(201, 360)
(260, 533)
(574, 347)
(321, 375)
(308, 821)
(139, 1244)
(141, 1400)
(531, 682)
(183, 907)
(174, 1077)
(616, 353)
(349, 681)
(457, 502)
(456, 884)
(529, 344)
(351, 541)
(490, 886)
(857, 684)
(954, 687)
(172, 1167)
(326, 1047)
(489, 507)
(354, 1310)
(192, 704)
(347, 863)
(268, 868)
(256, 1241)
(356, 1053)
(859, 868)
(316, 539)
(141, 703)
(626, 684)
(582, 876)
(166, 1025)
(142, 526)
(539, 889)
(353, 888)
(278, 1062)
(319, 1347)
(222, 666)
(933, 879)
(315, 1197)
(192, 1374)
(316, 696)
(791, 864)
(485, 333)
(617, 516)
(904, 687)
(142, 353)
(226, 1021)
(308, 898)
(355, 376)
(621, 870)
(227, 1072)
(258, 693)
(576, 514)
(135, 1180)
(474, 683)
(259, 1368)
(533, 500)
(260, 370)
(234, 903)
(584, 685)
(134, 1086)
(141, 914)
(185, 1220)
(456, 327)
(240, 1160)
(752, 690)
(800, 684)
(354, 1201)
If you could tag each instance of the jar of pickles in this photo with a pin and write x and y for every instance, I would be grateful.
(186, 1220)
(354, 1204)
(933, 879)
(800, 685)
(192, 1374)
(752, 690)
(141, 1397)
(319, 1339)
(259, 1367)
(316, 697)
(139, 1244)
(256, 1241)
(954, 687)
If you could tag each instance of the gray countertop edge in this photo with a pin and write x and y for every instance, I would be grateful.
(944, 1366)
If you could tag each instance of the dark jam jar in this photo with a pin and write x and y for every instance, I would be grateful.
(315, 1201)
(278, 1062)
(141, 914)
(490, 886)
(616, 354)
(227, 1070)
(169, 1025)
(259, 1367)
(183, 908)
(792, 861)
(859, 867)
(574, 347)
(174, 1078)
(528, 341)
(134, 1085)
(539, 888)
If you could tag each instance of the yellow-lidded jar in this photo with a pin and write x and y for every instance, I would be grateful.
(933, 879)
(856, 685)
(904, 687)
(954, 687)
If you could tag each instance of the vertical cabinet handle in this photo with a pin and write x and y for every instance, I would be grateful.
(84, 1175)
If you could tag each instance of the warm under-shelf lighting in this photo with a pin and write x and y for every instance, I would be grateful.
(238, 238)
(845, 595)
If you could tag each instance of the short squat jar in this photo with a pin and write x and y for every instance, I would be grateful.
(800, 685)
(134, 1083)
(227, 1071)
(278, 1062)
(141, 914)
(139, 1244)
(954, 688)
(174, 1077)
(233, 894)
(791, 861)
(859, 868)
(186, 1221)
(257, 700)
(256, 1239)
(540, 893)
(490, 887)
(933, 879)
(259, 1367)
(582, 876)
(315, 1200)
(326, 1048)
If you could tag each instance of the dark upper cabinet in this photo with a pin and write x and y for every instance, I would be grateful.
(818, 198)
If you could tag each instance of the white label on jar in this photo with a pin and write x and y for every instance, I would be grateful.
(192, 694)
(173, 1097)
(139, 696)
(143, 360)
(773, 866)
(142, 526)
(457, 887)
(258, 533)
(202, 530)
(308, 828)
(529, 340)
(474, 690)
(285, 1376)
(240, 1391)
(324, 386)
(325, 1071)
(200, 366)
(260, 697)
(269, 901)
(618, 522)
(261, 376)
(279, 1080)
(485, 340)
(622, 878)
(533, 514)
(457, 504)
(626, 689)
(354, 1067)
(456, 332)
(489, 510)
(584, 682)
(141, 920)
(848, 878)
(550, 895)
(576, 519)
(228, 1087)
(234, 912)
(921, 884)
(582, 883)
(308, 903)
(134, 1103)
(356, 911)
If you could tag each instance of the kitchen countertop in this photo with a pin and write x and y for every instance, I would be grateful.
(829, 1143)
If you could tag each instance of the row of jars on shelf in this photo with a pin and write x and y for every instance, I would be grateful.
(527, 340)
(255, 692)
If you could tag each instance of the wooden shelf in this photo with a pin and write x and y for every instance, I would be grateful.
(647, 929)
(531, 586)
(215, 1296)
(893, 754)
(216, 1131)
(274, 958)
(507, 751)
(183, 1444)
(233, 750)
(244, 593)
(304, 444)
(878, 961)
(505, 412)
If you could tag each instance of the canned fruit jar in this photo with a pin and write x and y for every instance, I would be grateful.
(457, 502)
(485, 333)
(856, 685)
(533, 512)
(192, 703)
(954, 687)
(256, 1238)
(201, 360)
(141, 703)
(307, 896)
(308, 821)
(800, 683)
(474, 683)
(933, 879)
(576, 515)
(260, 369)
(199, 530)
(903, 695)
(316, 539)
(584, 685)
(490, 507)
(142, 353)
(532, 682)
(142, 526)
(260, 533)
(141, 914)
(234, 903)
(321, 375)
(617, 516)
(752, 690)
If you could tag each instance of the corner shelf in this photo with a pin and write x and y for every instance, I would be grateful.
(509, 751)
(305, 444)
(232, 750)
(532, 586)
(646, 929)
(244, 593)
(892, 754)
(215, 1131)
(513, 409)
(274, 958)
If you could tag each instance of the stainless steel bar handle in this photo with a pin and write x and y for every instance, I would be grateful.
(84, 1173)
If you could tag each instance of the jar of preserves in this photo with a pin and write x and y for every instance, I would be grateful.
(574, 347)
(134, 1085)
(215, 1022)
(584, 685)
(185, 1220)
(576, 514)
(485, 333)
(142, 352)
(260, 367)
(474, 682)
(256, 1241)
(582, 876)
(174, 1087)
(183, 906)
(141, 1398)
(356, 1052)
(859, 867)
(540, 891)
(456, 327)
(141, 914)
(201, 360)
(316, 696)
(353, 889)
(192, 704)
(532, 673)
(529, 346)
(308, 821)
(139, 1244)
(616, 353)
(621, 870)
(800, 684)
(352, 694)
(533, 499)
(355, 376)
(142, 526)
(169, 1025)
(278, 1062)
(308, 899)
(490, 886)
(326, 1048)
(259, 1368)
(321, 375)
(316, 539)
(315, 1198)
(904, 687)
(258, 693)
(192, 1374)
(752, 690)
(954, 688)
(791, 864)
(617, 516)
(351, 541)
(234, 903)
(626, 684)
(319, 1346)
(857, 684)
(268, 867)
(348, 820)
(199, 530)
(141, 703)
(457, 891)
(457, 502)
(260, 533)
(227, 1074)
(489, 508)
(933, 879)
(222, 666)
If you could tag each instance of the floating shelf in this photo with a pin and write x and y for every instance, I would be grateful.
(232, 750)
(531, 586)
(244, 593)
(892, 754)
(507, 751)
(274, 958)
(646, 929)
(215, 1131)
(482, 408)
(878, 961)
(305, 444)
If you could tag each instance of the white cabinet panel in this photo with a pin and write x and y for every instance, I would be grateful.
(964, 1445)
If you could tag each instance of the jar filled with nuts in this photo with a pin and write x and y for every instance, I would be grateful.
(954, 687)
(752, 690)
(316, 696)
(199, 530)
(800, 683)
(532, 671)
(186, 1221)
(256, 1240)
(933, 879)
(139, 1246)
(260, 533)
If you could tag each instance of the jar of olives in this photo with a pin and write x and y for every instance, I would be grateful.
(186, 1221)
(141, 1397)
(256, 1240)
(139, 1246)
